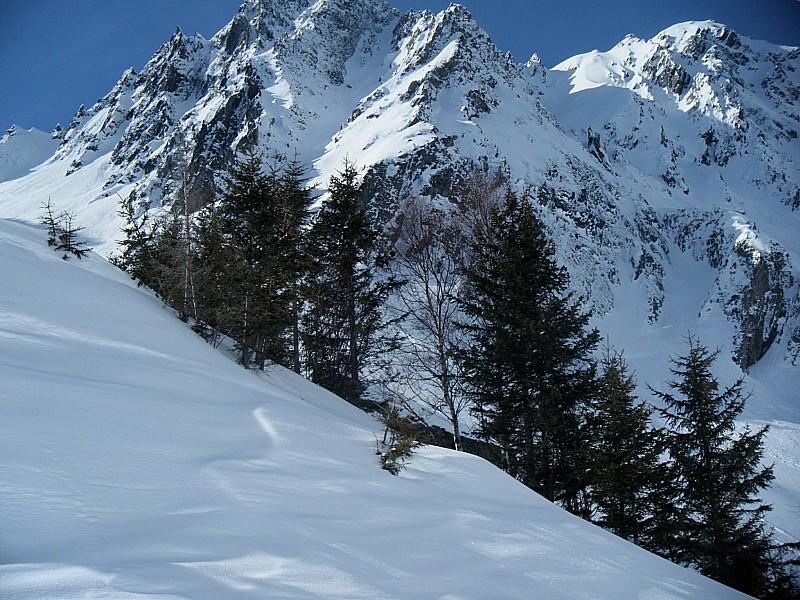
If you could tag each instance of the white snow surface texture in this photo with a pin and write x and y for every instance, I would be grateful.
(136, 461)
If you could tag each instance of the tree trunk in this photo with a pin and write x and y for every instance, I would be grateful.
(189, 306)
(295, 333)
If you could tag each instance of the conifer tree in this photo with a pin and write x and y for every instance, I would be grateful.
(343, 293)
(154, 254)
(296, 199)
(212, 257)
(400, 435)
(136, 249)
(251, 277)
(67, 238)
(624, 454)
(528, 364)
(51, 221)
(717, 476)
(166, 250)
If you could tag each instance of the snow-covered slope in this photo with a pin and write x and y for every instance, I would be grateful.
(665, 169)
(136, 460)
(21, 150)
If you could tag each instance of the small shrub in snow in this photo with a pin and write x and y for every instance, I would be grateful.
(400, 438)
(62, 233)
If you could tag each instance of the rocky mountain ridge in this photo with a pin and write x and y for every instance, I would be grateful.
(712, 115)
(683, 145)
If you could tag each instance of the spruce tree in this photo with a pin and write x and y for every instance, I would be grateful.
(528, 362)
(51, 221)
(343, 292)
(624, 454)
(717, 476)
(257, 239)
(401, 432)
(136, 249)
(296, 199)
(213, 255)
(154, 254)
(248, 223)
(67, 238)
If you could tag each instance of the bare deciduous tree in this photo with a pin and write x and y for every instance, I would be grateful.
(429, 244)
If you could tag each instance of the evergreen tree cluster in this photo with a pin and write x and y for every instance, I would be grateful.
(252, 256)
(688, 490)
(488, 324)
(255, 267)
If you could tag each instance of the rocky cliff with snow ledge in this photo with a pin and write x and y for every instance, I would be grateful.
(666, 169)
(709, 120)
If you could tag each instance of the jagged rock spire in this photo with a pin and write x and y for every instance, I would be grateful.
(266, 18)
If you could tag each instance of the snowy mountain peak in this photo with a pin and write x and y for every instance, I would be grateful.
(703, 65)
(269, 19)
(693, 38)
(686, 143)
(11, 132)
(21, 150)
(427, 34)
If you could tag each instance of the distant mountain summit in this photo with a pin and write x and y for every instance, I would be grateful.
(23, 149)
(658, 154)
(712, 118)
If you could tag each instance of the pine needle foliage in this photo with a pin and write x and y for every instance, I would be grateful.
(625, 453)
(716, 475)
(528, 365)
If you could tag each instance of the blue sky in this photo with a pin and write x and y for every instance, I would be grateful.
(56, 55)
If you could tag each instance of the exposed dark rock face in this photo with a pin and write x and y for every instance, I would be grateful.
(762, 306)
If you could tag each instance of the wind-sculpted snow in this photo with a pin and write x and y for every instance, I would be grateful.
(137, 460)
(683, 144)
(134, 459)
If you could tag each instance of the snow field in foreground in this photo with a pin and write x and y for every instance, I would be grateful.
(137, 460)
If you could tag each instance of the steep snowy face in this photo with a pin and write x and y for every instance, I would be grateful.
(712, 119)
(334, 56)
(452, 102)
(23, 149)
